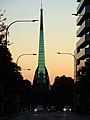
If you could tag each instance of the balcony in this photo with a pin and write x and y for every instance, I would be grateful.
(85, 27)
(75, 52)
(84, 53)
(80, 65)
(80, 6)
(84, 15)
(85, 40)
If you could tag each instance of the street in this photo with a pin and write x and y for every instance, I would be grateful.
(49, 116)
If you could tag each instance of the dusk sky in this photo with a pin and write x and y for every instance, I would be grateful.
(59, 34)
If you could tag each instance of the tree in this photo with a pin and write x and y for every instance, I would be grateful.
(26, 95)
(2, 29)
(10, 76)
(63, 93)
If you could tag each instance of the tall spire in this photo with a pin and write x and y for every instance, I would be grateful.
(41, 5)
(41, 58)
(41, 18)
(41, 75)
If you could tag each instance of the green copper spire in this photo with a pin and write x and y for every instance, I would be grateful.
(41, 58)
(41, 78)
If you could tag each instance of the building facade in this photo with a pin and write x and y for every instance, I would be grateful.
(82, 54)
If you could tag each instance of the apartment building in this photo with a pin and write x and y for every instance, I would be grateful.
(82, 54)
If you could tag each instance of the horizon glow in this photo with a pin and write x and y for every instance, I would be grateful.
(59, 35)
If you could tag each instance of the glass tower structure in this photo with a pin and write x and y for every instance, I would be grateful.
(41, 78)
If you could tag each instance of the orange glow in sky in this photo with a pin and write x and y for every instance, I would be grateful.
(59, 35)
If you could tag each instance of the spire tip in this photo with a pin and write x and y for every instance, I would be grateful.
(41, 5)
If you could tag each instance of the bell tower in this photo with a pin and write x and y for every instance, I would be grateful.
(41, 78)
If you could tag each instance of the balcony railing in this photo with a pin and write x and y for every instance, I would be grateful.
(85, 14)
(80, 6)
(85, 40)
(83, 29)
(84, 53)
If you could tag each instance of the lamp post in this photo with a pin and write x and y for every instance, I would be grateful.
(23, 55)
(76, 75)
(16, 21)
(74, 59)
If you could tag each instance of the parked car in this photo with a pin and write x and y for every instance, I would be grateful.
(39, 109)
(67, 108)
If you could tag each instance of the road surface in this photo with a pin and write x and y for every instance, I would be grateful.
(49, 116)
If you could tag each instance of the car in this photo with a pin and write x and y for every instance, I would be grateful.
(39, 109)
(67, 108)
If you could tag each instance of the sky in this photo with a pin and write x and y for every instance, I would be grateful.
(59, 35)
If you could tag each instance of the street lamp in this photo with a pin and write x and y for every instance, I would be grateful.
(68, 53)
(16, 21)
(23, 55)
(75, 14)
(76, 74)
(74, 59)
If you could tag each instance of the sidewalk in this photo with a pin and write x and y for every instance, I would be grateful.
(74, 116)
(4, 118)
(8, 117)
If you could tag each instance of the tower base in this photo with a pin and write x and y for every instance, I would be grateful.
(41, 81)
